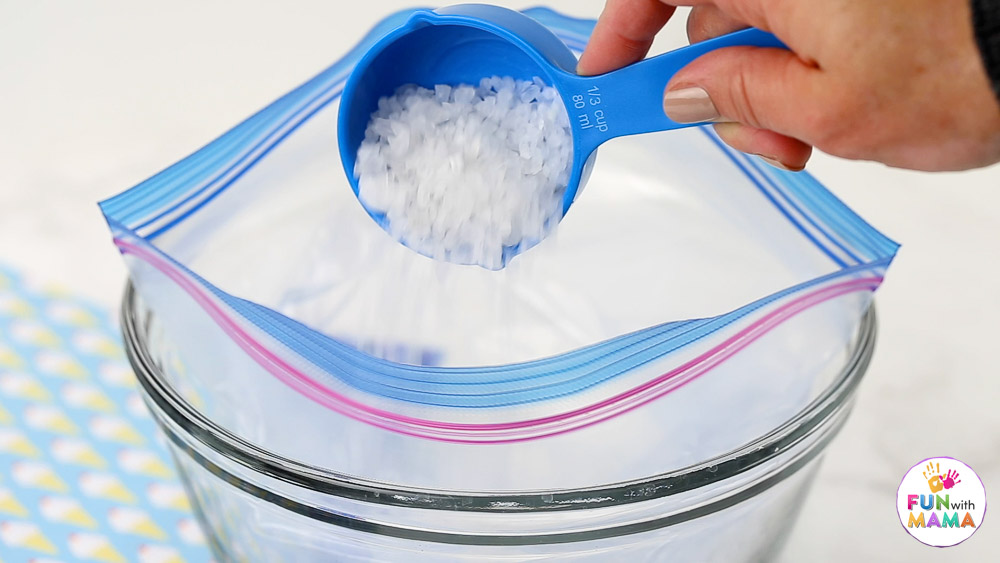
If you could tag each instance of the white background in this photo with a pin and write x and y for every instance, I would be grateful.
(97, 96)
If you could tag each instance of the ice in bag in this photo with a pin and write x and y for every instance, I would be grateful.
(694, 299)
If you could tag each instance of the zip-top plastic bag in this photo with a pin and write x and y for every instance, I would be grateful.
(692, 300)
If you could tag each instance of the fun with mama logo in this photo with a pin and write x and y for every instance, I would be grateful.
(941, 501)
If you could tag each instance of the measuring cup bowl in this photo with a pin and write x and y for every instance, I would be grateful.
(452, 45)
(467, 42)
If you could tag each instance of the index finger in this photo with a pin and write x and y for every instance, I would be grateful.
(623, 34)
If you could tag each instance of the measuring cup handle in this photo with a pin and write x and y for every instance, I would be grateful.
(630, 100)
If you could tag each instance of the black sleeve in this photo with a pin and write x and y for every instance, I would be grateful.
(986, 25)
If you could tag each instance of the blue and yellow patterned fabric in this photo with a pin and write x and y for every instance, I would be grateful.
(84, 475)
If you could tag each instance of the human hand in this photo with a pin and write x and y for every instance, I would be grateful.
(895, 81)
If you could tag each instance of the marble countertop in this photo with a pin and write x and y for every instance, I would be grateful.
(98, 96)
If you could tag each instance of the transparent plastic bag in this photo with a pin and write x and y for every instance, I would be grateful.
(690, 301)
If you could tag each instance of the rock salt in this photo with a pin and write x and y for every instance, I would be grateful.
(463, 172)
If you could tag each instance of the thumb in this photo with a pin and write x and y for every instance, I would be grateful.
(765, 88)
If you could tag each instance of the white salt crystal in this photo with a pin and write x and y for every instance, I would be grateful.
(461, 172)
(442, 92)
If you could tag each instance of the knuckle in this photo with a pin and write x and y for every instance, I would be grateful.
(741, 100)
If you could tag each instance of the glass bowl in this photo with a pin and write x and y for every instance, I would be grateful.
(256, 505)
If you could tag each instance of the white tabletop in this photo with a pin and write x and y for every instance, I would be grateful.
(98, 96)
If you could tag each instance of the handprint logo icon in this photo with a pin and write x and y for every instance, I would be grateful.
(953, 509)
(938, 482)
(950, 480)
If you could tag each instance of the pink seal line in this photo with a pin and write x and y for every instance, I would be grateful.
(493, 433)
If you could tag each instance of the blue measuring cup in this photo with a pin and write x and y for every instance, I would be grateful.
(465, 43)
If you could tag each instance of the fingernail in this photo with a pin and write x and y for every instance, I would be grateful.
(778, 164)
(689, 105)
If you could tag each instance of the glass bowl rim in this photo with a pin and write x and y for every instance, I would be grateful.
(162, 397)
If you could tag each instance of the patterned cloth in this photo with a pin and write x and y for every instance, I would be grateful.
(84, 475)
